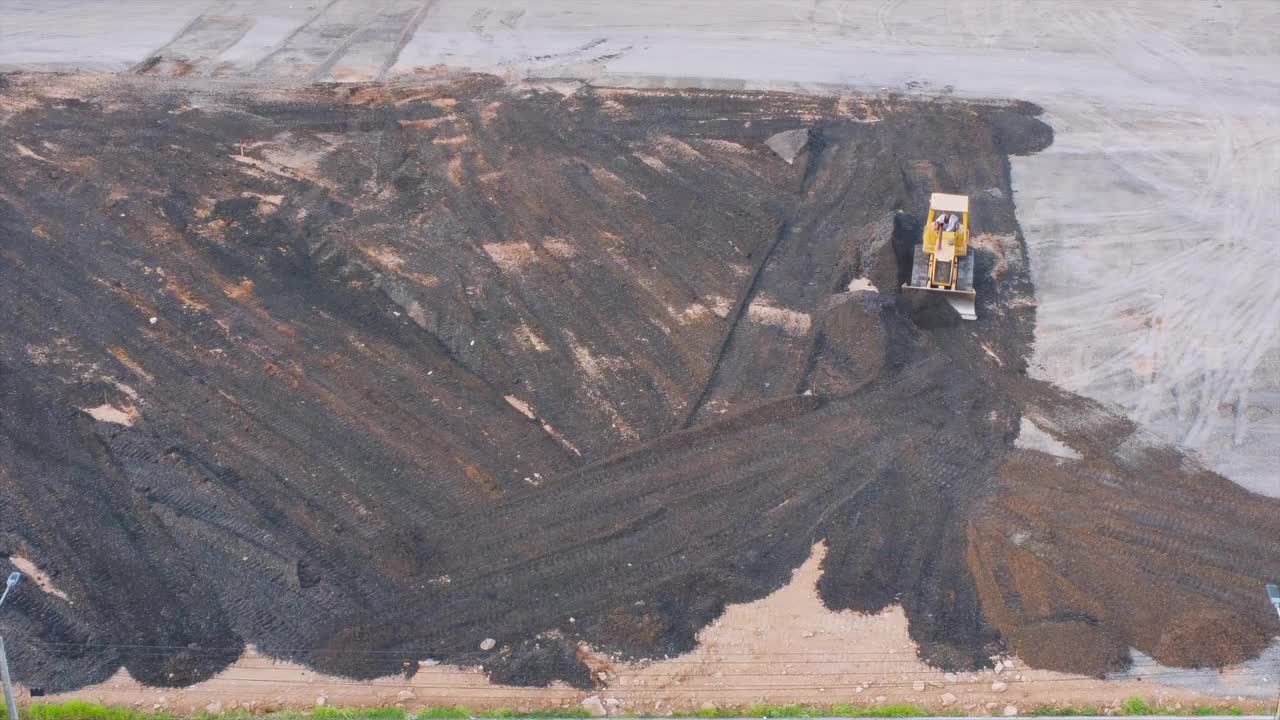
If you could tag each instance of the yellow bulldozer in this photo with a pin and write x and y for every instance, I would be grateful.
(943, 263)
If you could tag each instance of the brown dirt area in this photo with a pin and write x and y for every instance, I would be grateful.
(476, 374)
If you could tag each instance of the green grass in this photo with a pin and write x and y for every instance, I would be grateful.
(1138, 706)
(440, 713)
(804, 711)
(568, 712)
(77, 710)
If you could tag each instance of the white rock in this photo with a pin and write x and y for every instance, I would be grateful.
(948, 699)
(999, 686)
(404, 695)
(788, 143)
(881, 698)
(1010, 710)
(154, 320)
(918, 686)
(950, 677)
(612, 704)
(488, 644)
(594, 706)
(213, 708)
(321, 701)
(999, 666)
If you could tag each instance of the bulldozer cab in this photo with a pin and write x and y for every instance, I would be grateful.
(943, 263)
(946, 234)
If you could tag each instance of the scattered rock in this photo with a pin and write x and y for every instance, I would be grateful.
(1010, 710)
(602, 676)
(322, 701)
(999, 686)
(788, 143)
(213, 708)
(488, 644)
(594, 706)
(612, 704)
(948, 699)
(807, 633)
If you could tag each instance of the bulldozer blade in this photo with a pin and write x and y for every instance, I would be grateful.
(964, 306)
(962, 298)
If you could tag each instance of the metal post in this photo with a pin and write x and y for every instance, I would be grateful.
(10, 702)
(1273, 594)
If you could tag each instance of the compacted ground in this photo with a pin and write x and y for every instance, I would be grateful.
(454, 370)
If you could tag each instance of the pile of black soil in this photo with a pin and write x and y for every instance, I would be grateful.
(368, 375)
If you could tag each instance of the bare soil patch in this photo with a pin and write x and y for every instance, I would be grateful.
(318, 303)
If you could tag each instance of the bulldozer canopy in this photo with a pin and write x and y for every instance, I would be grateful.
(949, 203)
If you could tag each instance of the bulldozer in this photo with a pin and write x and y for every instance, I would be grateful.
(942, 263)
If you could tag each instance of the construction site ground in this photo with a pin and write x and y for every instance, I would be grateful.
(463, 353)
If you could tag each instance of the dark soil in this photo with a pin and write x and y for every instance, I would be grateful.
(434, 364)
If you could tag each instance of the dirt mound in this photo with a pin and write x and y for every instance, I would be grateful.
(1211, 638)
(1074, 646)
(852, 343)
(408, 369)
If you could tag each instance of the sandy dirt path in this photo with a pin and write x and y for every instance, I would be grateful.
(786, 648)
